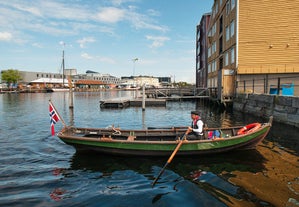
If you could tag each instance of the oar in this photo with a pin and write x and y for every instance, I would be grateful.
(170, 158)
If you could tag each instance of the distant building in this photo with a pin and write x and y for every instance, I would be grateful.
(165, 81)
(148, 81)
(55, 80)
(90, 84)
(41, 83)
(106, 79)
(89, 80)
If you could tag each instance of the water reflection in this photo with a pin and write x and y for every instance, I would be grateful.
(71, 119)
(210, 173)
(285, 137)
(218, 163)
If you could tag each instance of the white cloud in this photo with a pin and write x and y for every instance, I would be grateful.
(5, 36)
(32, 10)
(142, 21)
(85, 40)
(153, 12)
(58, 18)
(110, 15)
(119, 2)
(157, 41)
(86, 56)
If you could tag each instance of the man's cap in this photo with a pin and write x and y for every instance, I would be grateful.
(195, 113)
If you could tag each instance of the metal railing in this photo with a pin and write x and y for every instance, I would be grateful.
(180, 92)
(288, 86)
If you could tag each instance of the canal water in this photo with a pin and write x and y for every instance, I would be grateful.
(37, 169)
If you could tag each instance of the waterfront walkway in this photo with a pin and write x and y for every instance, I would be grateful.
(178, 93)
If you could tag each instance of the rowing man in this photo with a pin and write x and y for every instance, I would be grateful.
(195, 131)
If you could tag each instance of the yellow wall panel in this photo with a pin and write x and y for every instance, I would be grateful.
(268, 36)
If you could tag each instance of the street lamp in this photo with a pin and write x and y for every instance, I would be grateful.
(134, 60)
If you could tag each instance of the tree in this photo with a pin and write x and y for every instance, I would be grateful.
(181, 84)
(10, 76)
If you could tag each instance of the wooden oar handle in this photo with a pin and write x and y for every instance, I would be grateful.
(171, 157)
(175, 151)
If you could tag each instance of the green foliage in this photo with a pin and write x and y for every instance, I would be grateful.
(182, 84)
(10, 76)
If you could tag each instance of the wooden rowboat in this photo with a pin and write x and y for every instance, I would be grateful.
(162, 142)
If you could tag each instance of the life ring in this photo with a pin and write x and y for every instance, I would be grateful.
(249, 128)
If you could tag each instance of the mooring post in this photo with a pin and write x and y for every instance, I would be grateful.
(143, 97)
(71, 96)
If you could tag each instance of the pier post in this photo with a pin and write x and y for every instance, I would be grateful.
(71, 95)
(143, 97)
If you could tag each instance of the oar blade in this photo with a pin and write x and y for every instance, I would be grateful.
(161, 172)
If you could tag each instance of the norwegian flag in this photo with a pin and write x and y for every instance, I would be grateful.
(54, 118)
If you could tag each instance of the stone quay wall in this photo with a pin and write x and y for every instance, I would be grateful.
(284, 109)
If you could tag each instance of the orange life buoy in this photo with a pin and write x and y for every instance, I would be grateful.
(249, 128)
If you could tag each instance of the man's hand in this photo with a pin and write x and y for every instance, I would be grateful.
(189, 130)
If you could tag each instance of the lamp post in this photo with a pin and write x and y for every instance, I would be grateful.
(134, 61)
(63, 63)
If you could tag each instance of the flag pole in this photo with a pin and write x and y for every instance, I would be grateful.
(62, 121)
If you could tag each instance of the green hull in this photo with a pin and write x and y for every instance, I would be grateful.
(162, 148)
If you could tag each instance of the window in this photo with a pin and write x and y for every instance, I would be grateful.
(232, 28)
(227, 7)
(213, 13)
(213, 47)
(232, 4)
(225, 58)
(227, 33)
(220, 24)
(214, 65)
(210, 33)
(215, 82)
(232, 55)
(214, 28)
(220, 45)
(209, 83)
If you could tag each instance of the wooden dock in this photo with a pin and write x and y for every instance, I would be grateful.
(115, 103)
(119, 103)
(148, 102)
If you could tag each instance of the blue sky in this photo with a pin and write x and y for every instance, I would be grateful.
(102, 35)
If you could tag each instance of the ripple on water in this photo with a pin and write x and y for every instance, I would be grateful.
(37, 169)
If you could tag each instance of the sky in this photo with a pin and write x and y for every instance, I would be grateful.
(105, 36)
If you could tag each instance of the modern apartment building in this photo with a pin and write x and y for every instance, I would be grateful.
(202, 51)
(252, 42)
